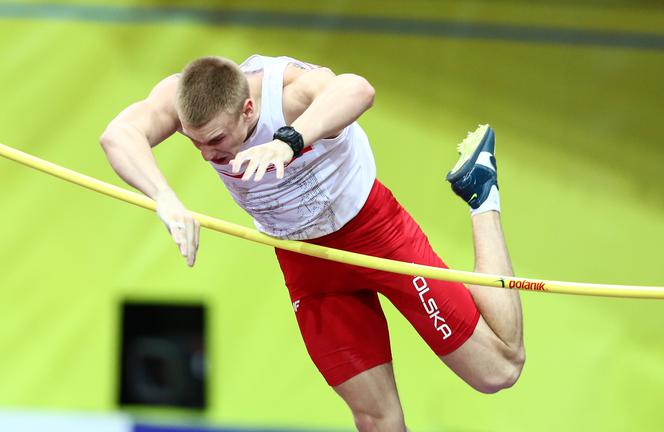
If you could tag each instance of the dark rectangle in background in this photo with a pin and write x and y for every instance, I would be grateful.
(163, 356)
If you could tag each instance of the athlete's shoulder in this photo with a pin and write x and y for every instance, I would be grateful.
(299, 70)
(163, 96)
(167, 87)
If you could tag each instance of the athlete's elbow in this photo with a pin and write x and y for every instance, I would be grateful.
(362, 91)
(107, 138)
(112, 135)
(371, 95)
(367, 92)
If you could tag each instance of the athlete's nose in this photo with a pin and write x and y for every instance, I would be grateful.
(207, 155)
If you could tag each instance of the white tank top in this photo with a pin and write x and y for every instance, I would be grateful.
(321, 190)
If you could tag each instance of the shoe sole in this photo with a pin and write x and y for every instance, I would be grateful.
(468, 156)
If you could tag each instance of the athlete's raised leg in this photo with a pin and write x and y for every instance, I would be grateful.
(492, 359)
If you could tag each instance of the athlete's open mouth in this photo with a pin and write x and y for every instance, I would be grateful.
(221, 161)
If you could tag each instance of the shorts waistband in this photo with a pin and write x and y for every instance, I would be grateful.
(380, 201)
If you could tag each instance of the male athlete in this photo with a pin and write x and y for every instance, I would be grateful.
(283, 137)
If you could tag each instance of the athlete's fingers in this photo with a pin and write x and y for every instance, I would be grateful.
(250, 169)
(189, 235)
(179, 243)
(262, 168)
(197, 233)
(236, 163)
(178, 234)
(280, 169)
(179, 223)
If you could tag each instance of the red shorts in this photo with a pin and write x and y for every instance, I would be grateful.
(336, 305)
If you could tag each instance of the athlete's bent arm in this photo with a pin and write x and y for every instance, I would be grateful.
(333, 102)
(320, 105)
(128, 141)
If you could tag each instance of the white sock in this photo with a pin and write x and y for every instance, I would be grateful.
(492, 202)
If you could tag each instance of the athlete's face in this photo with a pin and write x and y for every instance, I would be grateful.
(220, 139)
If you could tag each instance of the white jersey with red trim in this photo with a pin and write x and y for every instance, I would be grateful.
(321, 190)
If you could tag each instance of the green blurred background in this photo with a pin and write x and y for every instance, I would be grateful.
(580, 154)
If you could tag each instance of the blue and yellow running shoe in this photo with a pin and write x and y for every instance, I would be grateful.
(475, 173)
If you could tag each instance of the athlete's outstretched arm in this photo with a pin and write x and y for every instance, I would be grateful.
(128, 141)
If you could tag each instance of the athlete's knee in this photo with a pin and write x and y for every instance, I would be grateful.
(505, 374)
(389, 422)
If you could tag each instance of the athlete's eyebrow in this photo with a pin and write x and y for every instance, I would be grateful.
(216, 138)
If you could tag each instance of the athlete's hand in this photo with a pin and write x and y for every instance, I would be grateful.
(182, 226)
(260, 157)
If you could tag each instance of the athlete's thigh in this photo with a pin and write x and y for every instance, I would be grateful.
(442, 312)
(343, 327)
(445, 315)
(345, 333)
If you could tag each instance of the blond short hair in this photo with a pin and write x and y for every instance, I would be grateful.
(208, 86)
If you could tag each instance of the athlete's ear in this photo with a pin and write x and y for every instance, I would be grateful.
(248, 107)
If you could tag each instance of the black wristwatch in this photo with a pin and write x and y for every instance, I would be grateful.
(291, 137)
